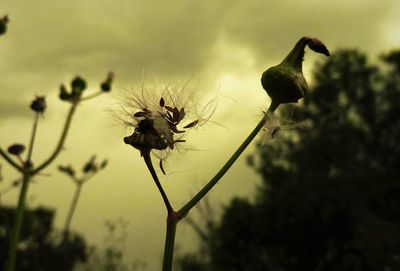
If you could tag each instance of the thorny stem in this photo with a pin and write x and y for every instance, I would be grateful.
(191, 203)
(72, 210)
(61, 141)
(35, 122)
(19, 216)
(149, 164)
(9, 160)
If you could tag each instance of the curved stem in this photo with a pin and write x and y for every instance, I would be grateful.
(9, 160)
(172, 221)
(35, 122)
(91, 96)
(147, 160)
(71, 211)
(191, 203)
(63, 136)
(19, 216)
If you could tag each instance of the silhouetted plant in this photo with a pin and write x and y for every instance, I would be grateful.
(25, 166)
(156, 119)
(89, 170)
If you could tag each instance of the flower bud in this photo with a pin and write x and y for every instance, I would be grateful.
(103, 164)
(106, 85)
(64, 95)
(285, 83)
(67, 170)
(3, 25)
(90, 166)
(78, 85)
(16, 149)
(39, 104)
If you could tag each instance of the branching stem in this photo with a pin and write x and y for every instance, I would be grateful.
(61, 142)
(149, 164)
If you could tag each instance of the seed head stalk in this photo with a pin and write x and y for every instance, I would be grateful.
(175, 216)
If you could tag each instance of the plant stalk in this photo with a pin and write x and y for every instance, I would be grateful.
(71, 210)
(172, 221)
(19, 217)
(34, 128)
(61, 142)
(149, 164)
(10, 161)
(191, 203)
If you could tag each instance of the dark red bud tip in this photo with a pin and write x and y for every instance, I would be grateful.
(317, 46)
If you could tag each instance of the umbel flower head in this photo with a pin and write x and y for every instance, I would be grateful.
(160, 117)
(285, 82)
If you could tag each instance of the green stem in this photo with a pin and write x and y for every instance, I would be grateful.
(61, 142)
(34, 128)
(191, 203)
(147, 159)
(172, 221)
(9, 160)
(91, 96)
(71, 211)
(19, 216)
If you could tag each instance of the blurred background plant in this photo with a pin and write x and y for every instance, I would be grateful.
(111, 256)
(89, 170)
(26, 167)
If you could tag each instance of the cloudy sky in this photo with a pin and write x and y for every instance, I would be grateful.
(222, 46)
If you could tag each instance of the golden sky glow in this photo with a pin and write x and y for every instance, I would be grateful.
(224, 45)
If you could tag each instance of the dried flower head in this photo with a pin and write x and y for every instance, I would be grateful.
(161, 116)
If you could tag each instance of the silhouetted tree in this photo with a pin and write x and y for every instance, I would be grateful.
(330, 197)
(40, 247)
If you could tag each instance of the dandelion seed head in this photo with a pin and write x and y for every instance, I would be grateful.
(160, 115)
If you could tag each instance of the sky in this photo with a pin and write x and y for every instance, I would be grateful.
(221, 47)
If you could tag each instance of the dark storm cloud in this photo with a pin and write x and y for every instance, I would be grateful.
(270, 28)
(168, 37)
(13, 109)
(50, 41)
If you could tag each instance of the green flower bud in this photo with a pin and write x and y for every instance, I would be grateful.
(16, 149)
(285, 82)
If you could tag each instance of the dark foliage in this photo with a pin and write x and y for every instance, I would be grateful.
(39, 246)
